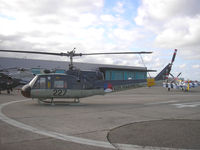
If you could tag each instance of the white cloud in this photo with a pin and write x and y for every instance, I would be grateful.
(197, 66)
(107, 18)
(163, 10)
(113, 21)
(119, 7)
(64, 25)
(175, 24)
(180, 32)
(44, 22)
(182, 66)
(127, 36)
(48, 7)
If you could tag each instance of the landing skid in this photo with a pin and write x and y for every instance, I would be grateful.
(52, 102)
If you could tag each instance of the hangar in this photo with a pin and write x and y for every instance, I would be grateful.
(110, 72)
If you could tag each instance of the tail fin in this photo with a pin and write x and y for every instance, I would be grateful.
(164, 74)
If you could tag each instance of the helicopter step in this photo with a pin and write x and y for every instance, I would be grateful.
(52, 102)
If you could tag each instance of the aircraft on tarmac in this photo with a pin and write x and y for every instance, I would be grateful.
(13, 77)
(75, 83)
(175, 82)
(184, 85)
(7, 83)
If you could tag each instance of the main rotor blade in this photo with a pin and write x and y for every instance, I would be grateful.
(72, 53)
(117, 53)
(31, 52)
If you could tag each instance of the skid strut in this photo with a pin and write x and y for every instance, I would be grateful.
(76, 100)
(52, 102)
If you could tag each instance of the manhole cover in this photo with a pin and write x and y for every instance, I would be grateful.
(183, 134)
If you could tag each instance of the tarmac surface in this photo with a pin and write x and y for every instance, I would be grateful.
(143, 118)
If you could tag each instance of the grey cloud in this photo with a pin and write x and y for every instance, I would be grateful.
(188, 8)
(48, 7)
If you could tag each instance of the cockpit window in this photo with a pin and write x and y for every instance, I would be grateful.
(40, 83)
(49, 82)
(33, 81)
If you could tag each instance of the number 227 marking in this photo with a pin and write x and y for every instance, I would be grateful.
(59, 92)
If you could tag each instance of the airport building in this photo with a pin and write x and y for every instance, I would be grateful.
(110, 72)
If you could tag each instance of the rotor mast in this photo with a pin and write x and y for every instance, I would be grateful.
(71, 55)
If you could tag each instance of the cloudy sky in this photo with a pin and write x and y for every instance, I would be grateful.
(106, 26)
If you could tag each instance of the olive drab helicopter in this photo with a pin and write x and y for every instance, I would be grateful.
(73, 84)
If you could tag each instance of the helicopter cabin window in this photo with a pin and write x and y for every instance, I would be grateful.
(60, 82)
(48, 82)
(40, 83)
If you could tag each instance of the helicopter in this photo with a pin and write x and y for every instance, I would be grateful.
(7, 83)
(74, 83)
(13, 77)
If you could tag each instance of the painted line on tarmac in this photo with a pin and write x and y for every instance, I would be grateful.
(72, 138)
(189, 105)
(136, 147)
(165, 102)
(50, 133)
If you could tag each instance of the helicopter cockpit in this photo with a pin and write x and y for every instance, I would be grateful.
(51, 81)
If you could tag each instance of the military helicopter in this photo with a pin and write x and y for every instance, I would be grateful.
(8, 83)
(13, 77)
(74, 83)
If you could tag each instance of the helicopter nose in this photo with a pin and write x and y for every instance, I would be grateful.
(26, 91)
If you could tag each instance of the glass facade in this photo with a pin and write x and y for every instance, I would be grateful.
(124, 74)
